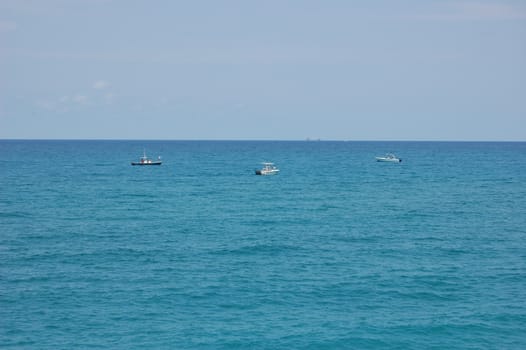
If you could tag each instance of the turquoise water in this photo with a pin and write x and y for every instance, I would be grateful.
(337, 251)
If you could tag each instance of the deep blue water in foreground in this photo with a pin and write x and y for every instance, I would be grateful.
(336, 252)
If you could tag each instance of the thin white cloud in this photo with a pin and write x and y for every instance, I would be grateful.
(489, 11)
(80, 99)
(7, 26)
(101, 84)
(61, 105)
(475, 11)
(66, 103)
(48, 8)
(45, 104)
(108, 98)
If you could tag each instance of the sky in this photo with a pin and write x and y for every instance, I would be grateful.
(263, 70)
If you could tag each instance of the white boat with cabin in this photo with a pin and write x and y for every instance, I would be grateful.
(268, 169)
(389, 157)
(144, 160)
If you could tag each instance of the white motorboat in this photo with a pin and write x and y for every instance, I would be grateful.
(389, 157)
(144, 160)
(268, 169)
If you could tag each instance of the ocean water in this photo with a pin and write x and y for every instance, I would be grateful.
(336, 252)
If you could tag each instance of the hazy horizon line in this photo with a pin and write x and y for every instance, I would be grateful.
(254, 140)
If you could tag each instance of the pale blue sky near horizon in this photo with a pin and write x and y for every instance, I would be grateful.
(287, 70)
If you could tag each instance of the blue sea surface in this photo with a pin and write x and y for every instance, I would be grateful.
(338, 251)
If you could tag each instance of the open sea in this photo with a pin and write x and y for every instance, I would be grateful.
(338, 251)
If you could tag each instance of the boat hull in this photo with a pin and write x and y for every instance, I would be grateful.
(264, 173)
(152, 163)
(390, 160)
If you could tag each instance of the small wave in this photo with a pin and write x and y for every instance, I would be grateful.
(423, 295)
(15, 214)
(267, 249)
(358, 239)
